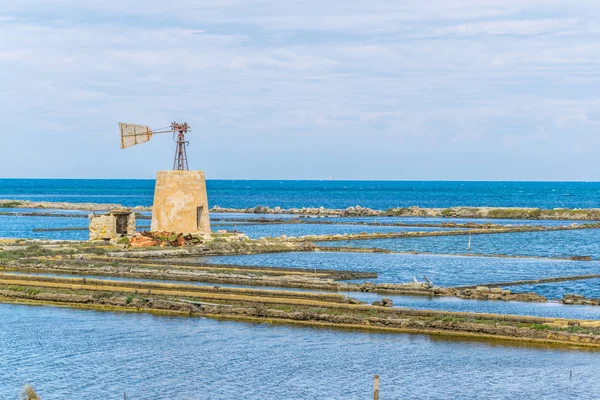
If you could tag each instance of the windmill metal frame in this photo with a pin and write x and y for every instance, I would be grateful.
(132, 135)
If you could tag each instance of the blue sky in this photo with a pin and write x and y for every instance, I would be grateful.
(377, 89)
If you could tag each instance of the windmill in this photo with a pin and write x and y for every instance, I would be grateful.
(136, 134)
(180, 198)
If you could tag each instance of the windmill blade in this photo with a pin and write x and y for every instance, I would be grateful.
(134, 134)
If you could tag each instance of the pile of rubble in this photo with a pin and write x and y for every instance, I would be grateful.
(163, 239)
(384, 303)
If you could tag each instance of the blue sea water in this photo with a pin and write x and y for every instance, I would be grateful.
(330, 194)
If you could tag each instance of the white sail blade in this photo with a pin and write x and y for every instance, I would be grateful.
(134, 134)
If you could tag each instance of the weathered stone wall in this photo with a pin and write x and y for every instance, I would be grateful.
(104, 227)
(131, 224)
(181, 203)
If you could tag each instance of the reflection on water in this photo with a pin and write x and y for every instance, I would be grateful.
(73, 354)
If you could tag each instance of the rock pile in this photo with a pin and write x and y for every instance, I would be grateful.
(384, 303)
(162, 239)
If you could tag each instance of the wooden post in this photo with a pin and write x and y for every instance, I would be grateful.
(124, 396)
(376, 388)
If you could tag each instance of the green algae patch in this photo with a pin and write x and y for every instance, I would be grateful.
(10, 204)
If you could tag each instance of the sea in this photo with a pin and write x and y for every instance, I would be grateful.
(329, 194)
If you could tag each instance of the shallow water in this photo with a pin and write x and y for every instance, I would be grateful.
(442, 270)
(583, 242)
(74, 354)
(550, 309)
(589, 288)
(22, 227)
(43, 210)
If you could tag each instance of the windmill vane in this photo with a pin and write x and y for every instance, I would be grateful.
(136, 134)
(181, 128)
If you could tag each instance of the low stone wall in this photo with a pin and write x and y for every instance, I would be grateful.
(423, 289)
(579, 300)
(66, 205)
(336, 315)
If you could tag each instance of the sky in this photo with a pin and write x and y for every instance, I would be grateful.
(305, 89)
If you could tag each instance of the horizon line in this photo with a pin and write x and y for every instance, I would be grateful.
(319, 180)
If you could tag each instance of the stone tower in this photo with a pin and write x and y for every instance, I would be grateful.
(181, 203)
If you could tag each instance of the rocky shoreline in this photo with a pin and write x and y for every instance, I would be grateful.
(590, 214)
(581, 300)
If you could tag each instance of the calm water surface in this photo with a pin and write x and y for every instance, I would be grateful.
(72, 354)
(22, 227)
(584, 242)
(12, 226)
(589, 288)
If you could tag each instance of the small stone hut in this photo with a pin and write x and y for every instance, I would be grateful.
(113, 225)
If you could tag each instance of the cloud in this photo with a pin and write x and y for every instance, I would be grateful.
(511, 27)
(285, 80)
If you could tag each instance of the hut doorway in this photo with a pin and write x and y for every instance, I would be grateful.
(122, 221)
